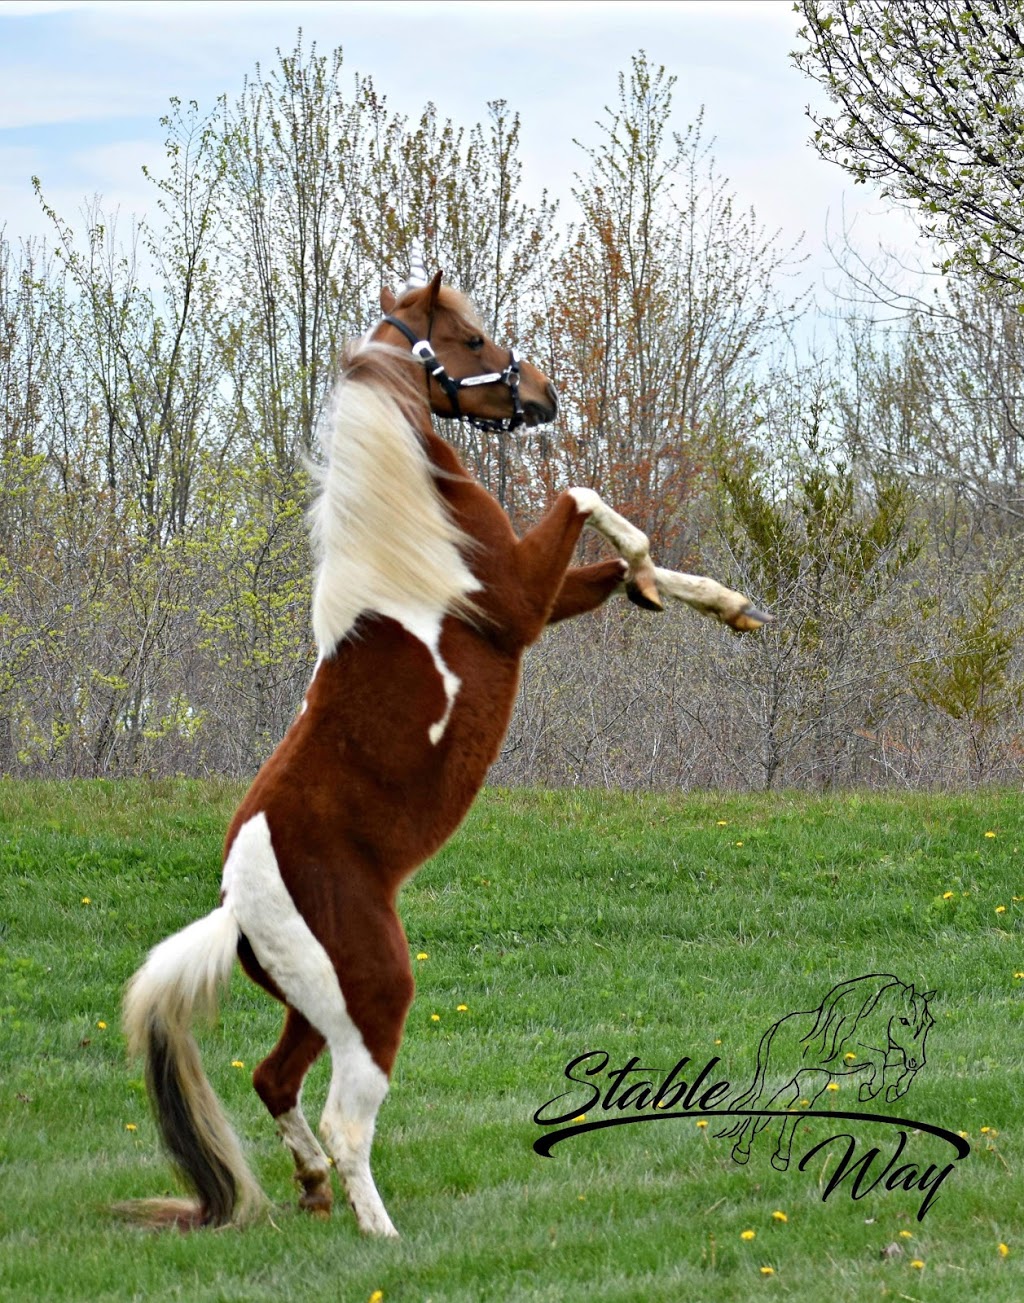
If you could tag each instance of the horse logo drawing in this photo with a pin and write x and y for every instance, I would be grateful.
(873, 1027)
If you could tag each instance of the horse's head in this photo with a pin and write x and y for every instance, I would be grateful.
(467, 374)
(908, 1026)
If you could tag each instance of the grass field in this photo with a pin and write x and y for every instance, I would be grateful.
(564, 922)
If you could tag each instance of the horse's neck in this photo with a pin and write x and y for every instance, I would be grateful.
(442, 455)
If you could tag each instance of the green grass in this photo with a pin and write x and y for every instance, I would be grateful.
(565, 922)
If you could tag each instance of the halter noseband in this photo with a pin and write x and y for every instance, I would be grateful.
(423, 352)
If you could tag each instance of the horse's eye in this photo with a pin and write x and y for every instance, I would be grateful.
(476, 343)
(904, 1022)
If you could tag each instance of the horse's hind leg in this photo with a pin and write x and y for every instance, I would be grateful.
(357, 1090)
(278, 1082)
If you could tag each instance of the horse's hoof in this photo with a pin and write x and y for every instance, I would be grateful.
(641, 587)
(318, 1203)
(780, 1162)
(749, 619)
(641, 597)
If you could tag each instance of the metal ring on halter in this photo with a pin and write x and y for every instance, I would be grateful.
(423, 352)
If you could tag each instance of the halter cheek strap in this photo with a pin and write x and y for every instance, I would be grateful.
(423, 352)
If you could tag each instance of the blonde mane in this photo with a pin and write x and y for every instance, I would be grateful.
(381, 531)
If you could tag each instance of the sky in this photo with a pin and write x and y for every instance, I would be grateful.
(83, 84)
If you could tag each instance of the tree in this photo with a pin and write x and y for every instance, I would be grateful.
(930, 105)
(661, 301)
(974, 679)
(824, 547)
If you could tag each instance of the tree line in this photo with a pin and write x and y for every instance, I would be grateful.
(160, 389)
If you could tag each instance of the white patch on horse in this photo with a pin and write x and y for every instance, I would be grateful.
(255, 894)
(425, 625)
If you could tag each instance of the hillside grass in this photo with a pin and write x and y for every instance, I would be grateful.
(659, 926)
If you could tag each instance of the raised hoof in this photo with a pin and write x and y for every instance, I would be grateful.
(640, 598)
(780, 1162)
(749, 619)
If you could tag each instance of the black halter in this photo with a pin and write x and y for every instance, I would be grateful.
(423, 352)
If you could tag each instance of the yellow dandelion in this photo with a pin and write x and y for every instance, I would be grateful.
(832, 1085)
(849, 1057)
(767, 1271)
(1004, 1250)
(377, 1296)
(804, 1103)
(916, 1263)
(86, 900)
(1000, 909)
(906, 1235)
(739, 843)
(990, 834)
(422, 955)
(462, 1008)
(719, 1040)
(948, 895)
(702, 1123)
(582, 1198)
(722, 823)
(130, 1126)
(237, 1063)
(435, 1017)
(778, 1216)
(748, 1235)
(582, 1118)
(964, 1135)
(1018, 975)
(102, 1025)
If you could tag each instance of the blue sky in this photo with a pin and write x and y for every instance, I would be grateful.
(83, 85)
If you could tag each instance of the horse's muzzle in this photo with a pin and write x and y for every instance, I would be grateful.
(539, 413)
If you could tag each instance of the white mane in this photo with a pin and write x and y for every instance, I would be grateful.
(380, 528)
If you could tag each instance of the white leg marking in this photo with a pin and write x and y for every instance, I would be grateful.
(705, 595)
(310, 1160)
(630, 542)
(289, 952)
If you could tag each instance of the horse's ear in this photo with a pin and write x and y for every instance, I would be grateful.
(927, 995)
(433, 290)
(387, 301)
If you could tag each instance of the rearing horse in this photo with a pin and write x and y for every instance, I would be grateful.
(424, 602)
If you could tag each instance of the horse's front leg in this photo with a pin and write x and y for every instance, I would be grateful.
(632, 545)
(585, 588)
(646, 584)
(544, 589)
(711, 598)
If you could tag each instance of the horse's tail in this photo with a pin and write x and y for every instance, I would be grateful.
(179, 981)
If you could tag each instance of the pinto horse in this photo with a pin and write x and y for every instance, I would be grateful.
(424, 602)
